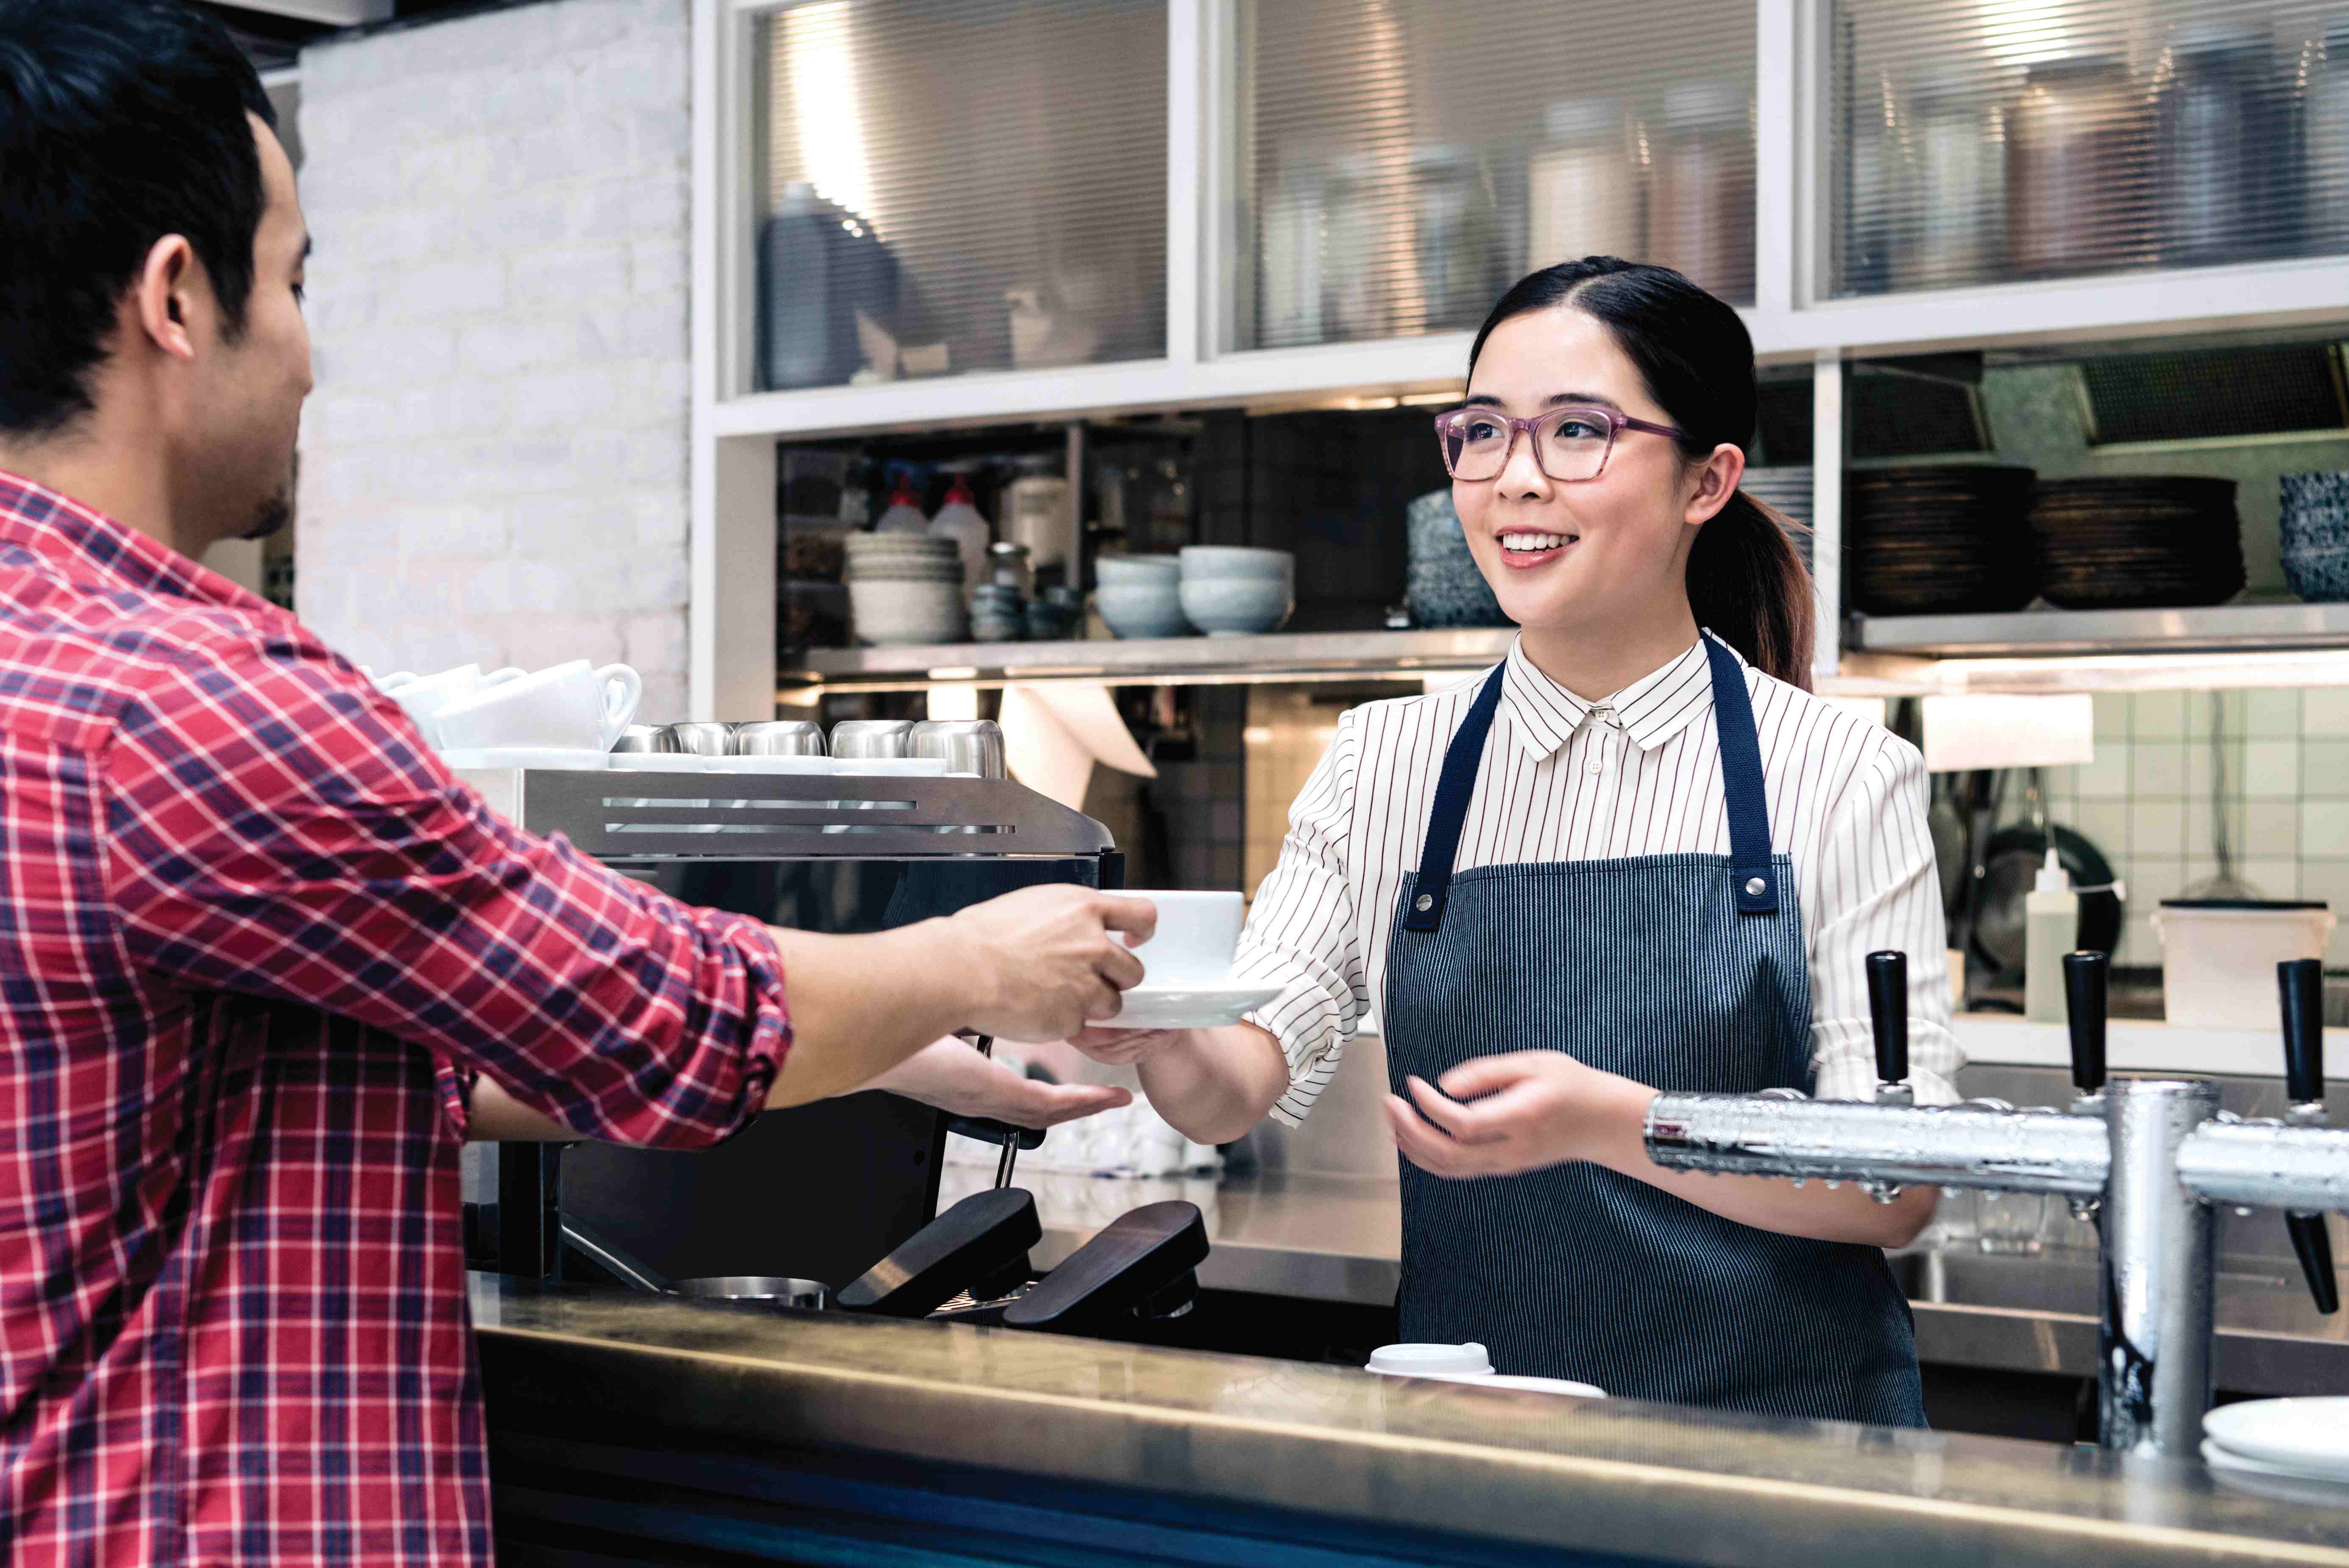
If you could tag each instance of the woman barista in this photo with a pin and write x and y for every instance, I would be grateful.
(1638, 855)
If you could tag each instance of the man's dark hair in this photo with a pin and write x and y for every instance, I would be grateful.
(122, 122)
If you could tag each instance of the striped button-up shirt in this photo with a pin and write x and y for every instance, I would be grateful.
(253, 939)
(1638, 773)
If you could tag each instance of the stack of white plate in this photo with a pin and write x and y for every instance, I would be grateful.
(906, 588)
(2299, 1445)
(1787, 490)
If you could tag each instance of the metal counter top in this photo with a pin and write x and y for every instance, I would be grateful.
(1339, 1238)
(1599, 1476)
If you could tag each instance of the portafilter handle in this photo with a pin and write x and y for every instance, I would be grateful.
(2087, 1002)
(1888, 1013)
(2299, 988)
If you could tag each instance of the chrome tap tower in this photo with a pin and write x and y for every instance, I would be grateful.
(2147, 1157)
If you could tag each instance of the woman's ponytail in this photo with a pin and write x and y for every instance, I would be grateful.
(1748, 585)
(1745, 581)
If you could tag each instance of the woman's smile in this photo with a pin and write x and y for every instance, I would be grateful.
(1523, 549)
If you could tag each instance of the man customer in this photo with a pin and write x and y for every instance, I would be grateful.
(261, 957)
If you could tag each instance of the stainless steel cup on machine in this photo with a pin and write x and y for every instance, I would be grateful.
(779, 738)
(972, 746)
(871, 740)
(646, 739)
(2147, 1157)
(702, 738)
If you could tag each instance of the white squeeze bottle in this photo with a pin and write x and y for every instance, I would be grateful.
(2050, 928)
(960, 520)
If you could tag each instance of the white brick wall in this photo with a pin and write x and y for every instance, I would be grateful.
(494, 464)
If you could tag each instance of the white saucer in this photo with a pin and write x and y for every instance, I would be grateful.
(2272, 1480)
(2307, 1437)
(1151, 1006)
(567, 758)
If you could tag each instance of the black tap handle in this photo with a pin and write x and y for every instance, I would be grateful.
(1132, 1264)
(1887, 1010)
(2315, 1249)
(2301, 985)
(2086, 977)
(977, 1240)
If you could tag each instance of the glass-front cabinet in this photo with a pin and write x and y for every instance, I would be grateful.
(939, 187)
(1399, 164)
(1985, 141)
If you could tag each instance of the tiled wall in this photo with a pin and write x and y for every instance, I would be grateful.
(2146, 800)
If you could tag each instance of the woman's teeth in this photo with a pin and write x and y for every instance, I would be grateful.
(1532, 544)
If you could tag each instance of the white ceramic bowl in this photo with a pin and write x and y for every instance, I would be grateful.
(1142, 609)
(1202, 562)
(1118, 570)
(1236, 606)
(896, 613)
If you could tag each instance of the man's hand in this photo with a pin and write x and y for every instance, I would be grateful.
(1048, 960)
(957, 1080)
(1497, 1116)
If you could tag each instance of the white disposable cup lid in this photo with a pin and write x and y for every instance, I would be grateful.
(1432, 1360)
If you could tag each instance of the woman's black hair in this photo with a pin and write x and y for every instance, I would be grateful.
(1745, 581)
(122, 122)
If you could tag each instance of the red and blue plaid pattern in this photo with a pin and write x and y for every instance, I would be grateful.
(253, 940)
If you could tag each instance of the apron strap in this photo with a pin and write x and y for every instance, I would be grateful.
(1453, 790)
(1753, 875)
(1756, 878)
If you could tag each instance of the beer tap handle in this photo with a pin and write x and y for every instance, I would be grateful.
(2086, 982)
(2300, 986)
(1888, 1013)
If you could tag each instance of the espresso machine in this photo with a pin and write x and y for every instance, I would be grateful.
(842, 1194)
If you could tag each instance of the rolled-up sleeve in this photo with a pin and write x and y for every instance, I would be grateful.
(1878, 890)
(276, 826)
(1303, 934)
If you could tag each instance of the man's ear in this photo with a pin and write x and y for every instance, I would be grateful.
(164, 295)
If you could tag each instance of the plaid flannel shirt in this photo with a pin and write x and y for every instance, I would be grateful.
(254, 939)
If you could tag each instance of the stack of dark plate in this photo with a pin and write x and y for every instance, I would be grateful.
(1941, 540)
(2136, 542)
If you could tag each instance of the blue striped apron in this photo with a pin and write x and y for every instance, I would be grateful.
(1686, 972)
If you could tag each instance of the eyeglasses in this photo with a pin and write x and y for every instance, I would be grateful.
(1570, 443)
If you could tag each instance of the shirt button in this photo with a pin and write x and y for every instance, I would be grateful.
(1597, 766)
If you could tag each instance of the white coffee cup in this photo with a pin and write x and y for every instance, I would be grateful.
(1197, 935)
(424, 696)
(571, 704)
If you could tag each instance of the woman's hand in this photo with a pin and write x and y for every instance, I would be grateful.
(1497, 1116)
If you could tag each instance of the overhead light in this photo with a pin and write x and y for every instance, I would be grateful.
(955, 673)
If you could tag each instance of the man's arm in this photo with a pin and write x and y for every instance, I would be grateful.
(946, 1074)
(277, 827)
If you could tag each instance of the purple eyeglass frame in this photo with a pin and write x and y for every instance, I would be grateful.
(1616, 424)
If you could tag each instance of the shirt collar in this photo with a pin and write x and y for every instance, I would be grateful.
(1545, 715)
(94, 550)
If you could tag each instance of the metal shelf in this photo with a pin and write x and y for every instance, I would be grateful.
(1158, 661)
(2043, 632)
